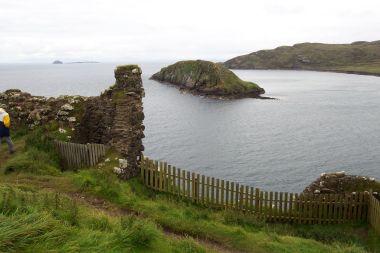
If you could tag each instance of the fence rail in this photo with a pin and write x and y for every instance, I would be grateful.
(75, 156)
(271, 206)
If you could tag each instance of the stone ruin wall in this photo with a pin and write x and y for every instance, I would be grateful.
(115, 118)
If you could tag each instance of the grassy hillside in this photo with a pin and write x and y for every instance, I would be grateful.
(206, 78)
(43, 209)
(357, 57)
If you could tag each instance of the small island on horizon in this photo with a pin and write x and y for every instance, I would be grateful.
(208, 79)
(74, 62)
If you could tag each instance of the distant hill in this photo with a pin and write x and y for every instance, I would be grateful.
(359, 57)
(57, 62)
(207, 78)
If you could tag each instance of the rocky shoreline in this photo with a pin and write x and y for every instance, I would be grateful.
(340, 182)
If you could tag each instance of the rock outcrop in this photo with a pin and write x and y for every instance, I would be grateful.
(339, 182)
(114, 118)
(208, 79)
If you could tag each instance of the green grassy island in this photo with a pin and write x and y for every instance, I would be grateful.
(209, 79)
(357, 58)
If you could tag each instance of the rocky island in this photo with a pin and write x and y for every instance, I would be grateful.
(359, 57)
(208, 79)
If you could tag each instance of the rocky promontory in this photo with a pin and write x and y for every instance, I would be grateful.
(208, 79)
(359, 57)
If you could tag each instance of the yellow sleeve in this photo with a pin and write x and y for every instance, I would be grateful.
(7, 121)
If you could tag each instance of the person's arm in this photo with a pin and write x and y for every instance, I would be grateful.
(7, 121)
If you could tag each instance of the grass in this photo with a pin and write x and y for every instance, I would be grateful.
(39, 221)
(93, 211)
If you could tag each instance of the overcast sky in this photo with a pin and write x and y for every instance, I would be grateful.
(155, 30)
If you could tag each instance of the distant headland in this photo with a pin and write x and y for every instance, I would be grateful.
(359, 57)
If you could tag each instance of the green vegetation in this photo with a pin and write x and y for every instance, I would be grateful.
(358, 57)
(206, 78)
(93, 211)
(126, 68)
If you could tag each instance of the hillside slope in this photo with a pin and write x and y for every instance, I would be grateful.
(44, 209)
(207, 78)
(357, 57)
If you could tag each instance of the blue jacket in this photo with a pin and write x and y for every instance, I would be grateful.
(4, 131)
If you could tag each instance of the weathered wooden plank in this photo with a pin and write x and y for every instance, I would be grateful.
(212, 191)
(355, 205)
(257, 201)
(179, 182)
(222, 190)
(241, 198)
(281, 203)
(197, 188)
(266, 208)
(246, 198)
(188, 184)
(360, 207)
(174, 180)
(275, 208)
(232, 195)
(237, 197)
(183, 184)
(285, 207)
(207, 190)
(271, 206)
(251, 198)
(217, 193)
(169, 177)
(297, 209)
(203, 190)
(227, 194)
(193, 198)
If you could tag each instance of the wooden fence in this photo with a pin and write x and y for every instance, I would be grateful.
(271, 206)
(75, 156)
(374, 213)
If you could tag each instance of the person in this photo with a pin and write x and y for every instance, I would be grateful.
(5, 124)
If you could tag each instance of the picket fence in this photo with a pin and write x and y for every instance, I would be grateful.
(298, 208)
(75, 156)
(374, 213)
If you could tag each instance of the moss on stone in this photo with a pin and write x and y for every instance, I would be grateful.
(126, 68)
